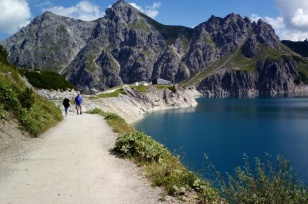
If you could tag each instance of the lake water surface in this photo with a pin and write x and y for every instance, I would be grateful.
(225, 129)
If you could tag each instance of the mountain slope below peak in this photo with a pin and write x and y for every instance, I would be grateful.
(126, 46)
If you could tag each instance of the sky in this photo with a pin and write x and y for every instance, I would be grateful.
(289, 18)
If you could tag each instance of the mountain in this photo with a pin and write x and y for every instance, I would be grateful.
(229, 55)
(301, 47)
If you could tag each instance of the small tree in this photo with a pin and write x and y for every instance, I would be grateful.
(3, 56)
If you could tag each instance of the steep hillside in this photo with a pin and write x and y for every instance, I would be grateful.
(20, 104)
(229, 55)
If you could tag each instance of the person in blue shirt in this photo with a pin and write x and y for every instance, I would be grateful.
(78, 102)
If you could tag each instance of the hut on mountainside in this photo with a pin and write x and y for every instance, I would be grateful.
(161, 81)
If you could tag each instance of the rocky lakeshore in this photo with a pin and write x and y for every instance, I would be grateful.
(130, 104)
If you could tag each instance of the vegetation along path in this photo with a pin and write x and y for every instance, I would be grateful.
(73, 163)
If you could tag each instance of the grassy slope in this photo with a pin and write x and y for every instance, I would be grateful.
(34, 113)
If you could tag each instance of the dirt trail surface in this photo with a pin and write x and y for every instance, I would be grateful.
(72, 163)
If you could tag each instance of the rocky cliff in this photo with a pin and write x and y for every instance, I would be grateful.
(270, 78)
(132, 105)
(230, 54)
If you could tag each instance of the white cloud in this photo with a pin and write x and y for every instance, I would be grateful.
(276, 23)
(254, 17)
(294, 15)
(292, 22)
(151, 11)
(14, 15)
(84, 10)
(300, 18)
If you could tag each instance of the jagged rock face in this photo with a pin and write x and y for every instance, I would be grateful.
(49, 41)
(228, 33)
(126, 46)
(271, 78)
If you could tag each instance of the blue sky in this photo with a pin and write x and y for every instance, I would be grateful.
(289, 18)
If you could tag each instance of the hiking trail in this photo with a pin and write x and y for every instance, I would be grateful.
(73, 163)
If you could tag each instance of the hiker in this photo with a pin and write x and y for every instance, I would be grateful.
(66, 103)
(78, 102)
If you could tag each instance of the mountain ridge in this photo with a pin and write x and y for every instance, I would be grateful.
(126, 46)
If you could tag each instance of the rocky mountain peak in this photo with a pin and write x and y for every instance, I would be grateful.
(265, 34)
(126, 46)
(122, 11)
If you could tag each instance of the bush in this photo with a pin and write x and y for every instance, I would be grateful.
(301, 77)
(47, 80)
(34, 113)
(264, 184)
(3, 56)
(164, 169)
(140, 146)
(26, 99)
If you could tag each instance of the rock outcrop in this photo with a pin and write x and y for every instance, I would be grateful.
(270, 78)
(126, 46)
(131, 104)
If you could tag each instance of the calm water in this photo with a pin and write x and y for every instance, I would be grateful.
(225, 129)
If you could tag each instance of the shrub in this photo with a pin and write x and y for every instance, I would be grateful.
(172, 88)
(164, 169)
(139, 146)
(26, 99)
(301, 77)
(264, 184)
(47, 80)
(3, 56)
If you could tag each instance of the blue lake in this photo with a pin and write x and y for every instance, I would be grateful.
(226, 128)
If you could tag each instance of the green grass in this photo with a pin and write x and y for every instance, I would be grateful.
(141, 88)
(117, 123)
(111, 94)
(33, 113)
(162, 168)
(170, 87)
(141, 26)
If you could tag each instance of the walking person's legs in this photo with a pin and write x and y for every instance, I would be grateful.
(65, 110)
(78, 108)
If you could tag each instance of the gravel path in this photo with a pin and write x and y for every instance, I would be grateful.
(72, 163)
